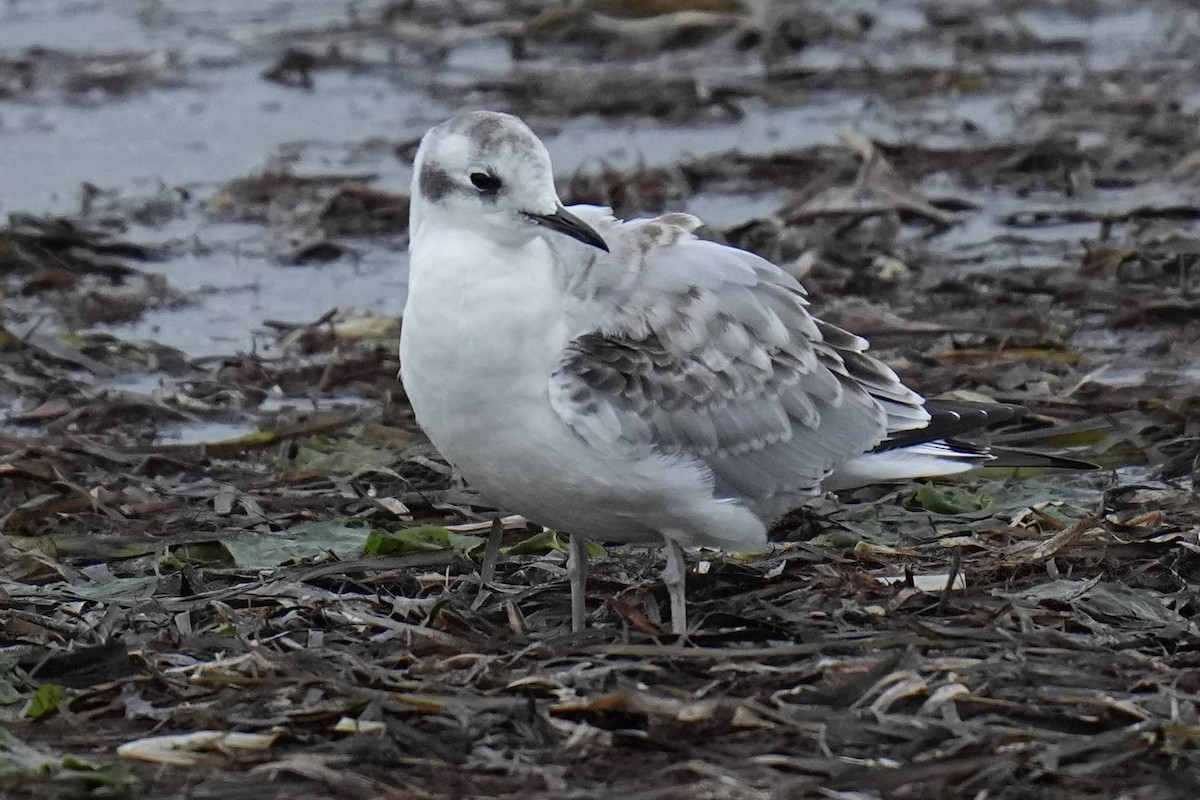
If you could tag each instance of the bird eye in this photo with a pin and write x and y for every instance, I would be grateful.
(485, 182)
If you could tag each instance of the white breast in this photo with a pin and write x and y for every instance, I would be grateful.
(479, 341)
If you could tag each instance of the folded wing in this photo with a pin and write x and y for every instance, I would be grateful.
(710, 351)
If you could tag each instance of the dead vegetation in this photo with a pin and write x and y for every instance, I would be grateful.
(244, 574)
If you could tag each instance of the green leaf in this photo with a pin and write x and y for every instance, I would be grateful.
(838, 539)
(594, 549)
(538, 544)
(205, 554)
(44, 700)
(423, 538)
(950, 499)
(94, 775)
(299, 543)
(20, 762)
(549, 541)
(345, 455)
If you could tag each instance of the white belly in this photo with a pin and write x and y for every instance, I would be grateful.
(477, 349)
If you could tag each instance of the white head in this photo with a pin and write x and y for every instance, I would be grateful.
(486, 171)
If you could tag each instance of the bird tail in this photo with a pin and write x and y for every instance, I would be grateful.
(923, 460)
(937, 459)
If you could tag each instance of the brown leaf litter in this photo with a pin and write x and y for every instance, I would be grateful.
(247, 575)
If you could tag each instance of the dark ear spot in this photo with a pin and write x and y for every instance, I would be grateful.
(435, 183)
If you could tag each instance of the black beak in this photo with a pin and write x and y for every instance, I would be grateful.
(564, 221)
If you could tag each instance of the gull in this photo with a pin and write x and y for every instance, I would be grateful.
(626, 380)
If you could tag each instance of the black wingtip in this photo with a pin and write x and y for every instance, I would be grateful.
(1009, 457)
(952, 418)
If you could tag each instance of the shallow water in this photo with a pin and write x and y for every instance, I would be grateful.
(210, 117)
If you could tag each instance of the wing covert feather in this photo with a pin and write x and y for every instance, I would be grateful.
(710, 350)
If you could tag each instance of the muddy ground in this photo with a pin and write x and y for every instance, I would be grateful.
(220, 525)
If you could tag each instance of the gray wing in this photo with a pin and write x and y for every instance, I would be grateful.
(710, 350)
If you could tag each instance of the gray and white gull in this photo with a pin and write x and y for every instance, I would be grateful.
(625, 380)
